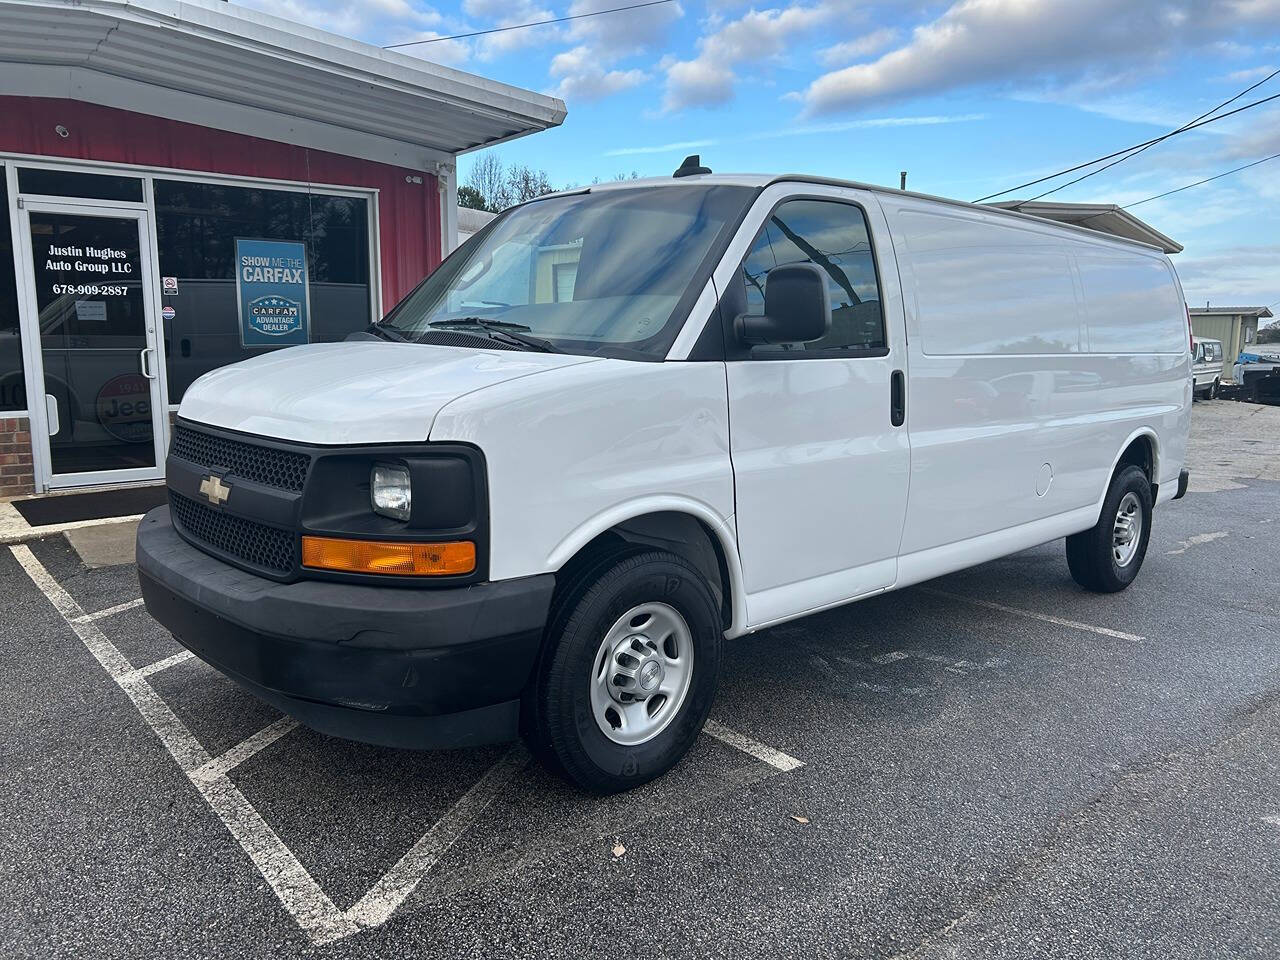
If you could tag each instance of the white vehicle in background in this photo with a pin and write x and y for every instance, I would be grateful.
(624, 424)
(1206, 367)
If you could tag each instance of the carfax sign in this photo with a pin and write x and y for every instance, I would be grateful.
(271, 290)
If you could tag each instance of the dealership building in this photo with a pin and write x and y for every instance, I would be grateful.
(186, 184)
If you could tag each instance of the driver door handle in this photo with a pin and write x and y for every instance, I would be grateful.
(897, 398)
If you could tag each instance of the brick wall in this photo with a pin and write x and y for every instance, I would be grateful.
(17, 476)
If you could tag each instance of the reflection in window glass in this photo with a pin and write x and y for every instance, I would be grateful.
(13, 393)
(595, 273)
(834, 237)
(92, 317)
(197, 225)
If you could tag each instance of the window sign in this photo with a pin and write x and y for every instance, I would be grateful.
(271, 290)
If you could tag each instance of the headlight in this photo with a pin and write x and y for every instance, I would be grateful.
(391, 491)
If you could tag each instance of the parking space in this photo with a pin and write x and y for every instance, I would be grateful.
(995, 763)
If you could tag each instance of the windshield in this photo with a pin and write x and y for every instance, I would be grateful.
(593, 273)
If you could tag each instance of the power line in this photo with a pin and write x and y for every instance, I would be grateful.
(534, 23)
(1219, 176)
(1080, 166)
(1130, 156)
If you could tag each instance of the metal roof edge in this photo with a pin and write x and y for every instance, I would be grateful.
(1168, 244)
(223, 22)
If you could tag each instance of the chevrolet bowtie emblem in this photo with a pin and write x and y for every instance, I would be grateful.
(214, 490)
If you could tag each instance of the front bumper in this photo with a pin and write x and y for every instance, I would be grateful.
(422, 668)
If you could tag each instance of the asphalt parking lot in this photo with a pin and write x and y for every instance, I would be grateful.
(992, 764)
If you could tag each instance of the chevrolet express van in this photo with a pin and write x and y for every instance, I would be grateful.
(625, 424)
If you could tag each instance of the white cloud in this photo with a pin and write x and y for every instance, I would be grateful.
(509, 13)
(582, 76)
(1047, 42)
(595, 66)
(449, 52)
(811, 129)
(1236, 274)
(1247, 76)
(677, 147)
(857, 48)
(351, 18)
(755, 37)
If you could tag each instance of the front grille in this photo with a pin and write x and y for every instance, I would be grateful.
(283, 469)
(267, 548)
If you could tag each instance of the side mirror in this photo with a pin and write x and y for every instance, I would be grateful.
(797, 307)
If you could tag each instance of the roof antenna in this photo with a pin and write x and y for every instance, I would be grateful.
(691, 167)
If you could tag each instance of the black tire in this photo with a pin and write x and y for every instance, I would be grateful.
(1213, 389)
(562, 729)
(1091, 555)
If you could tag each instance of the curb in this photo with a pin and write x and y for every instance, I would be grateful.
(15, 529)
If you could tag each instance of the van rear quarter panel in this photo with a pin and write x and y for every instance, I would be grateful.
(1013, 418)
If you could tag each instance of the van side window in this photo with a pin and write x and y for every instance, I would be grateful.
(833, 236)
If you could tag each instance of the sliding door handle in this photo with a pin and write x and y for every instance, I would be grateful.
(897, 398)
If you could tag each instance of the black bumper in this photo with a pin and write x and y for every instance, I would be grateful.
(402, 667)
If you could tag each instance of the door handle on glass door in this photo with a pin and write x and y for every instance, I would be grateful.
(52, 420)
(897, 398)
(146, 367)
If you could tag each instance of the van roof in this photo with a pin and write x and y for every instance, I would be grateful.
(760, 181)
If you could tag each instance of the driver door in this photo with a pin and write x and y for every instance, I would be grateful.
(821, 467)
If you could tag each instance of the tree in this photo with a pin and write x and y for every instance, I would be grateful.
(494, 186)
(525, 183)
(1270, 333)
(471, 198)
(489, 178)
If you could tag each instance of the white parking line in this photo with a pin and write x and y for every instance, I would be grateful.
(111, 611)
(1059, 621)
(221, 765)
(312, 909)
(154, 668)
(775, 758)
(314, 912)
(893, 656)
(385, 896)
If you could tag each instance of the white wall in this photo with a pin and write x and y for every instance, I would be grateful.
(470, 222)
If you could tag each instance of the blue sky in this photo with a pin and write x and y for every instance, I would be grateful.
(969, 96)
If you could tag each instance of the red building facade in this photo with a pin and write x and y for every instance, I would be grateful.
(187, 186)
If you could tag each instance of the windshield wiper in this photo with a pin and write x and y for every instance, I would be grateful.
(504, 330)
(388, 333)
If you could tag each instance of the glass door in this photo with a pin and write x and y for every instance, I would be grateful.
(90, 291)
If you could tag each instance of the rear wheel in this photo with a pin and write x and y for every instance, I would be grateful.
(631, 674)
(1213, 389)
(1107, 557)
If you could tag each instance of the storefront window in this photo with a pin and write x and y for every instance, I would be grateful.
(246, 269)
(13, 393)
(67, 183)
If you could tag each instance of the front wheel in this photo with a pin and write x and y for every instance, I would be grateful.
(630, 675)
(1213, 389)
(1107, 557)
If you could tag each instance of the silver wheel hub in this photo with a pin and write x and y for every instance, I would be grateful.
(642, 673)
(1127, 532)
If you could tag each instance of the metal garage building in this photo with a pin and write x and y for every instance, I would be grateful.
(1236, 327)
(184, 184)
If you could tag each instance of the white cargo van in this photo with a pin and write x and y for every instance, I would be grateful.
(624, 424)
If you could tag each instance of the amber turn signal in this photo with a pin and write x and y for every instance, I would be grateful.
(377, 556)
